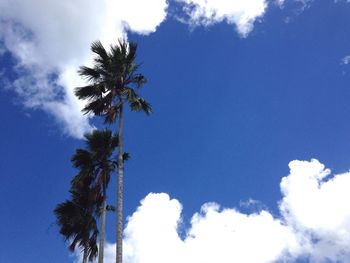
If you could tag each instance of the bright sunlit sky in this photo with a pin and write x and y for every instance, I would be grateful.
(240, 90)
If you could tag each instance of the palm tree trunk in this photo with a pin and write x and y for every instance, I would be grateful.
(103, 224)
(119, 255)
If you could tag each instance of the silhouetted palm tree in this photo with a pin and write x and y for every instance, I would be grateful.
(76, 219)
(113, 81)
(95, 162)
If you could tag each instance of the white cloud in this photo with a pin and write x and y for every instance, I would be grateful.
(151, 235)
(345, 60)
(314, 224)
(241, 13)
(51, 39)
(339, 1)
(280, 2)
(142, 16)
(315, 203)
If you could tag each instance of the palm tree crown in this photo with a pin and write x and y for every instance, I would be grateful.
(112, 80)
(95, 161)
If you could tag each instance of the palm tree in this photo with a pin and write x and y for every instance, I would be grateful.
(113, 81)
(76, 220)
(95, 162)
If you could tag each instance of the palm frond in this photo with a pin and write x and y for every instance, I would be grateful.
(89, 92)
(126, 156)
(111, 114)
(96, 106)
(81, 158)
(90, 74)
(139, 80)
(110, 208)
(99, 50)
(140, 104)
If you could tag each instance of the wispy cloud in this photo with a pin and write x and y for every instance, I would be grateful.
(345, 60)
(313, 224)
(2, 51)
(50, 45)
(304, 3)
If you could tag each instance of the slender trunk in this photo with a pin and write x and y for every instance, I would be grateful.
(103, 223)
(119, 255)
(85, 255)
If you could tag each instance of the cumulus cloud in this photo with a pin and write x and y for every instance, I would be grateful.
(51, 39)
(216, 235)
(241, 13)
(314, 224)
(314, 203)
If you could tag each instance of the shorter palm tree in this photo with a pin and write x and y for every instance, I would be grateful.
(77, 221)
(89, 194)
(95, 162)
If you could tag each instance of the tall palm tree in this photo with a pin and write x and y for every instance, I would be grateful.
(95, 162)
(112, 84)
(76, 220)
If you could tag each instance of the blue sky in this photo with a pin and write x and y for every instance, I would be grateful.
(238, 93)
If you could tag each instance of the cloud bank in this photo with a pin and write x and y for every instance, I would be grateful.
(51, 39)
(315, 204)
(314, 224)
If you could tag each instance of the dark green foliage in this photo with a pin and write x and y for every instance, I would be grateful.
(95, 161)
(112, 81)
(76, 219)
(126, 156)
(110, 208)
